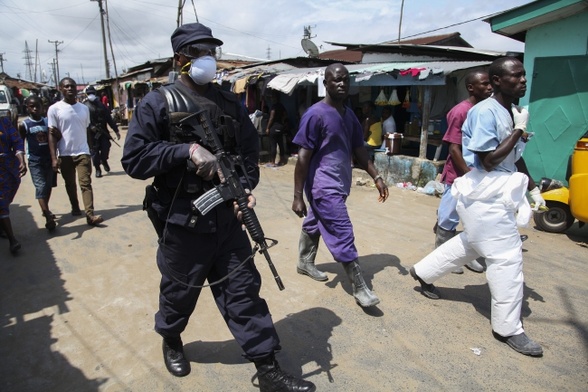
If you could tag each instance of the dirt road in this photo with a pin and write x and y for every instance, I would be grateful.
(77, 305)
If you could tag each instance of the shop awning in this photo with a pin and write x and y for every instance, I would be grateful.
(378, 74)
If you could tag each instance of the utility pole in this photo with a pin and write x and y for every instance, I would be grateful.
(36, 59)
(2, 60)
(28, 61)
(52, 64)
(117, 97)
(400, 22)
(180, 17)
(102, 12)
(56, 61)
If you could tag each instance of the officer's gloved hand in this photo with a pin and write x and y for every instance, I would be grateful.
(537, 198)
(520, 117)
(206, 164)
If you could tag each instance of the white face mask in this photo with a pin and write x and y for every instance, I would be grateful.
(203, 70)
(92, 97)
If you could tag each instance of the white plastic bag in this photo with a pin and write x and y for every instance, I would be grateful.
(394, 98)
(432, 188)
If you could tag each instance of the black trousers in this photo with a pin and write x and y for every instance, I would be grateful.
(100, 151)
(277, 140)
(188, 257)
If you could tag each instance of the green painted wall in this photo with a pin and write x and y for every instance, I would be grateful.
(557, 120)
(567, 37)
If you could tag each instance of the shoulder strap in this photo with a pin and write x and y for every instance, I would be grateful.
(180, 99)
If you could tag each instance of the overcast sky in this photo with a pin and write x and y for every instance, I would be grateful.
(140, 29)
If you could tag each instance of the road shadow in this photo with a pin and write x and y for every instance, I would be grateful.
(479, 297)
(68, 224)
(32, 292)
(304, 339)
(577, 233)
(370, 266)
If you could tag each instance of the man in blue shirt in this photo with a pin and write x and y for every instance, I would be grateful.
(491, 203)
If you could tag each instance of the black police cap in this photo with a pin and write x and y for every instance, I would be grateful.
(191, 33)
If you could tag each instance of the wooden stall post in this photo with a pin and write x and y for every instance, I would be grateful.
(425, 122)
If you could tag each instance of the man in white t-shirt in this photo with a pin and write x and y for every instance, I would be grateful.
(68, 121)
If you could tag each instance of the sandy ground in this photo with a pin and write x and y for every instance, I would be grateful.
(77, 306)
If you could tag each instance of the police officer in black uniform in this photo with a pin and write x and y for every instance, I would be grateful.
(98, 138)
(192, 248)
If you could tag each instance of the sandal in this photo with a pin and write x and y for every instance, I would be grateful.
(50, 225)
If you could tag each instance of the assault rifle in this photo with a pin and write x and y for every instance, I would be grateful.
(231, 188)
(99, 130)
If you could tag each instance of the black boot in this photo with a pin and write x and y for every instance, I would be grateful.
(106, 166)
(98, 172)
(273, 379)
(307, 248)
(173, 356)
(363, 295)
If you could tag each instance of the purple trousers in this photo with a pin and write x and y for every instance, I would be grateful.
(329, 218)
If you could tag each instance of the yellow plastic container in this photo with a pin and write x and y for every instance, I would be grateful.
(579, 181)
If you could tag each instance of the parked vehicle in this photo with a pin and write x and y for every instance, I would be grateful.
(8, 104)
(566, 204)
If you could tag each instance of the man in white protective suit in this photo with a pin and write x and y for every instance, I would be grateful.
(491, 202)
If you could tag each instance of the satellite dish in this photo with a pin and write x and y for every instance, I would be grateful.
(309, 47)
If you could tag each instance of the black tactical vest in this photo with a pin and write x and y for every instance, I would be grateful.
(182, 102)
(98, 117)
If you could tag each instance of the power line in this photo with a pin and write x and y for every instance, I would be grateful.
(448, 26)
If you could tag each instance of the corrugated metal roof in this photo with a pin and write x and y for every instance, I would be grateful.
(453, 52)
(265, 69)
(352, 56)
(433, 39)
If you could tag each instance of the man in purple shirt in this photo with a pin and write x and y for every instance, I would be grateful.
(329, 136)
(479, 88)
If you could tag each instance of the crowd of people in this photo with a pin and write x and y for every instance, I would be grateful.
(165, 143)
(64, 138)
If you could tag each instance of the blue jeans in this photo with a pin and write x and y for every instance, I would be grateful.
(43, 176)
(447, 217)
